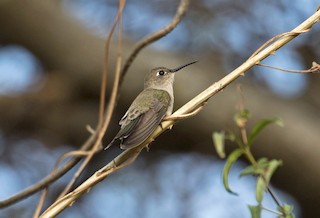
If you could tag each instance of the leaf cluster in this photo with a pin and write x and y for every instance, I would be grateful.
(262, 169)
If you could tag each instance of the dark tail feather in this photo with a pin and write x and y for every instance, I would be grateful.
(109, 145)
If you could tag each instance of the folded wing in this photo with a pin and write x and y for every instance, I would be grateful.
(137, 125)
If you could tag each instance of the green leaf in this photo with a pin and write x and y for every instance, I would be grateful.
(260, 126)
(287, 216)
(270, 169)
(230, 161)
(260, 189)
(267, 170)
(250, 170)
(255, 170)
(255, 210)
(241, 118)
(286, 209)
(218, 141)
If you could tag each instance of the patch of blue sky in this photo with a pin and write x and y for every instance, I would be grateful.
(137, 21)
(285, 84)
(19, 69)
(11, 181)
(95, 15)
(305, 6)
(178, 184)
(237, 37)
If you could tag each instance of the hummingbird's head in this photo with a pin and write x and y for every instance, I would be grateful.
(161, 77)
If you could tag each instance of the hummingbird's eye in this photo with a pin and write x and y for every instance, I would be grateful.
(161, 73)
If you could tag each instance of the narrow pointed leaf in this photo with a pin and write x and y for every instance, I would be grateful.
(230, 161)
(287, 216)
(270, 169)
(262, 162)
(261, 188)
(250, 170)
(286, 209)
(264, 178)
(218, 141)
(260, 126)
(255, 210)
(255, 170)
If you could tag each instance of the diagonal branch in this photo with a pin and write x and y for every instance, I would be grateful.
(131, 154)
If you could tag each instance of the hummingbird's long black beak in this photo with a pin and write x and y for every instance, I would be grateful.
(183, 66)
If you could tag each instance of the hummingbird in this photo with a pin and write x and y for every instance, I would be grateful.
(149, 108)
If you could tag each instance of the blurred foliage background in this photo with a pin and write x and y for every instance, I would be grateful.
(51, 55)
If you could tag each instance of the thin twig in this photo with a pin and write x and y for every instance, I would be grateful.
(314, 69)
(272, 211)
(181, 10)
(273, 39)
(103, 122)
(37, 211)
(273, 195)
(68, 199)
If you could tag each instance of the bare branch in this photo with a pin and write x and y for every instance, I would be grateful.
(315, 68)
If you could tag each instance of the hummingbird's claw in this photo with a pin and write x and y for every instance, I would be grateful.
(148, 147)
